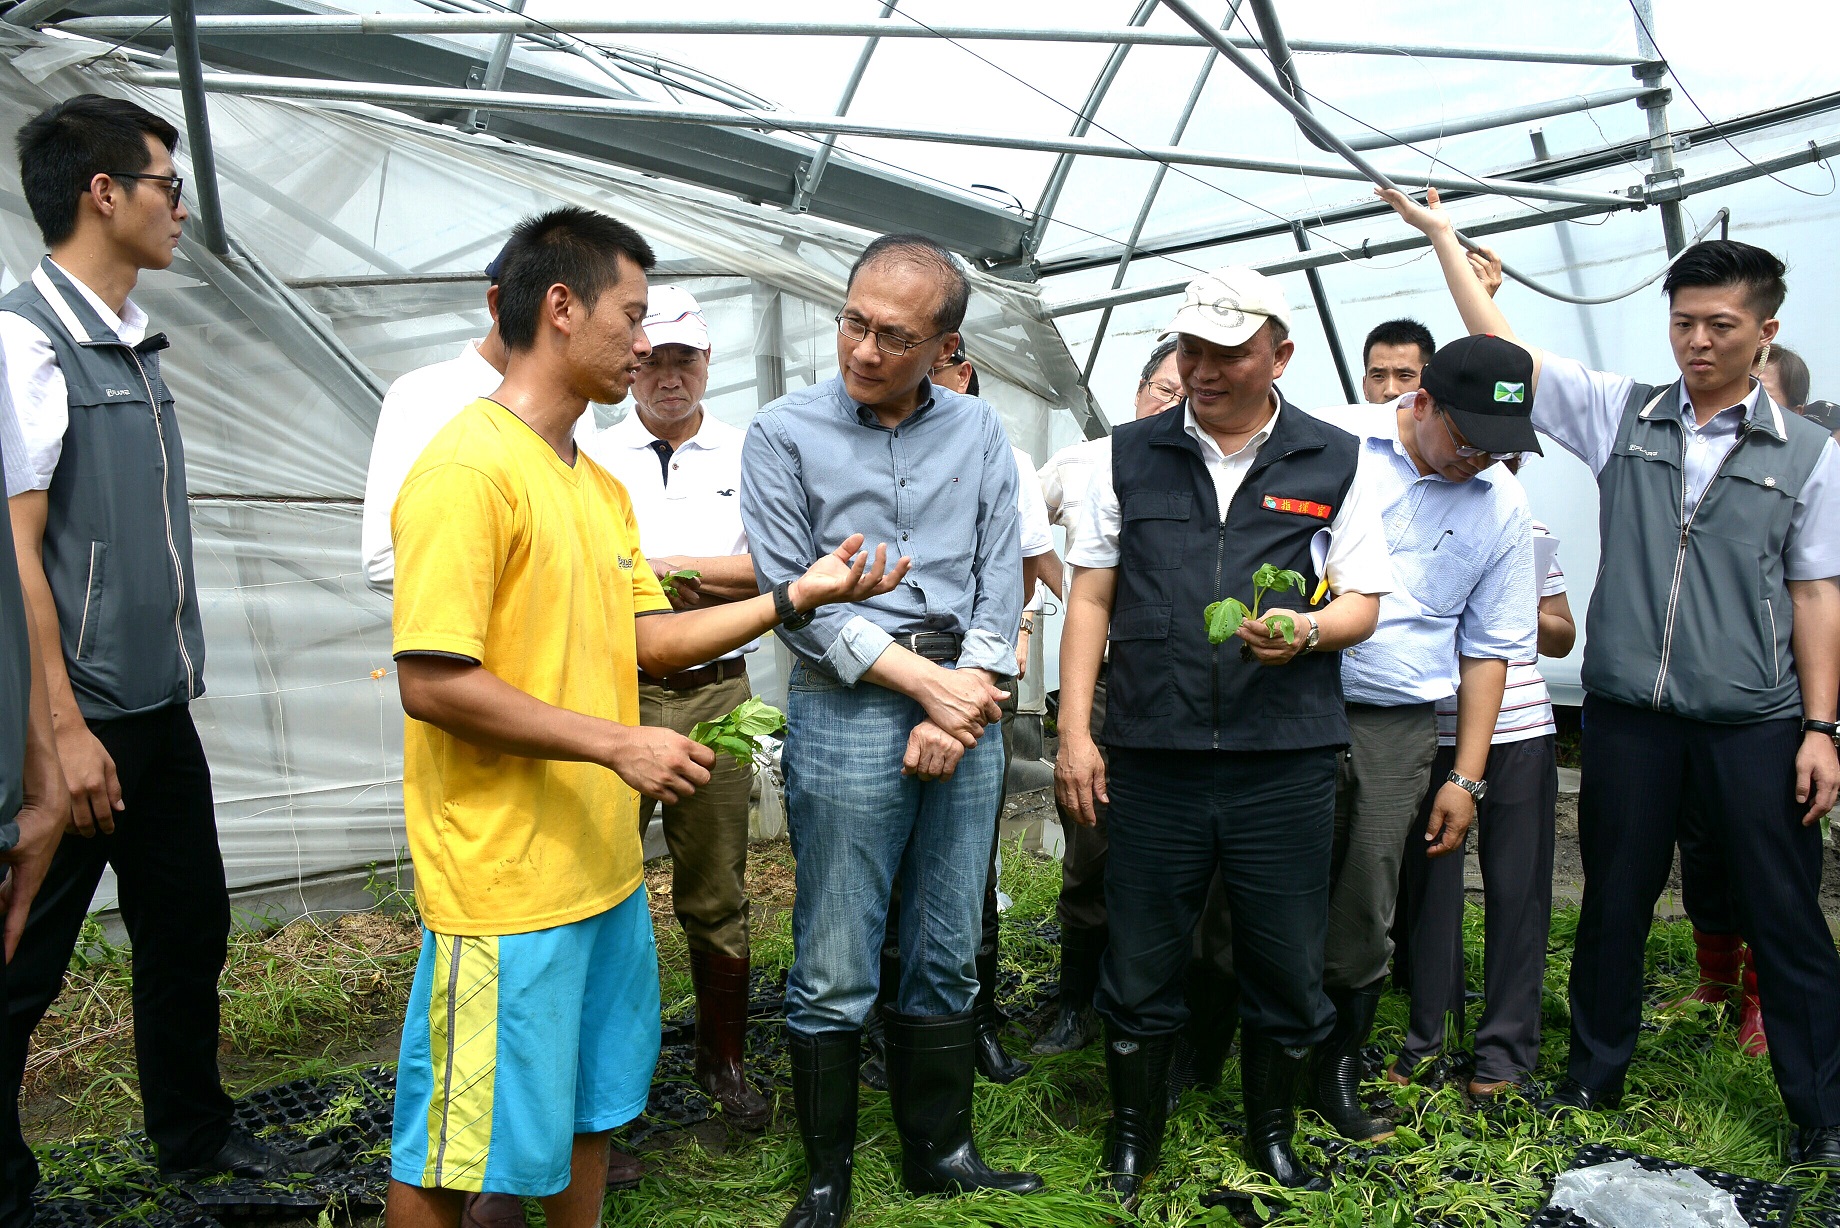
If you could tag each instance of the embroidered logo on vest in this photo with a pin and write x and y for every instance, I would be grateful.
(1298, 507)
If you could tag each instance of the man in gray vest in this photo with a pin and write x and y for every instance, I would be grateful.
(1711, 667)
(105, 562)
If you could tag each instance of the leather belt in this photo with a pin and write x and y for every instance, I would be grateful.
(702, 675)
(938, 646)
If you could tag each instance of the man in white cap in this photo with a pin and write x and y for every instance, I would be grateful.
(1218, 757)
(682, 467)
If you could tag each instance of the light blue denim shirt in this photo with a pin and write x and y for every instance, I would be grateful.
(940, 488)
(1462, 553)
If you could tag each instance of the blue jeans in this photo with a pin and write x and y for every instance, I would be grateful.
(855, 823)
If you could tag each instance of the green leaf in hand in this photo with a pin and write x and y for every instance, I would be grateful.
(668, 581)
(738, 734)
(1284, 625)
(1224, 618)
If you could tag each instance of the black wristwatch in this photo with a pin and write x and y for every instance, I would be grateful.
(1475, 788)
(1829, 728)
(789, 616)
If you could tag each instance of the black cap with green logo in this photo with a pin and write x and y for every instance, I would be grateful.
(1485, 384)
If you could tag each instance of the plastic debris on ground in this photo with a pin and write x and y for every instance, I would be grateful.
(1628, 1190)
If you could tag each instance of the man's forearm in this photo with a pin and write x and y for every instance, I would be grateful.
(475, 705)
(1346, 621)
(1089, 618)
(1815, 640)
(899, 669)
(41, 608)
(1044, 569)
(44, 775)
(1481, 681)
(668, 643)
(726, 577)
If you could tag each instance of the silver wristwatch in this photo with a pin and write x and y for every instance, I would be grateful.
(1475, 788)
(1309, 641)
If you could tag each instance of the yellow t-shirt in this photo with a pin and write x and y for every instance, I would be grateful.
(508, 556)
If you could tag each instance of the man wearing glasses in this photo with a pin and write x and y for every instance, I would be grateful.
(1065, 480)
(891, 769)
(1463, 607)
(97, 499)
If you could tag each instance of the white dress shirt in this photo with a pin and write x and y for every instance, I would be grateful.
(415, 409)
(34, 384)
(1581, 410)
(1065, 480)
(1032, 515)
(1357, 559)
(1463, 556)
(697, 512)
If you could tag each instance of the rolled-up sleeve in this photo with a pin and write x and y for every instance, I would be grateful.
(778, 524)
(1500, 621)
(996, 568)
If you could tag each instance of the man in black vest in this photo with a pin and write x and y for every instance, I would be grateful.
(101, 524)
(1219, 757)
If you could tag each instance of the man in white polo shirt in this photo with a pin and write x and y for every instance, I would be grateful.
(682, 468)
(415, 409)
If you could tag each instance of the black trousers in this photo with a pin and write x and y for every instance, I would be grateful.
(1514, 838)
(177, 911)
(1267, 822)
(1639, 767)
(1705, 883)
(1082, 900)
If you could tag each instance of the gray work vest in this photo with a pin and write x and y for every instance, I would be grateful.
(1691, 614)
(118, 535)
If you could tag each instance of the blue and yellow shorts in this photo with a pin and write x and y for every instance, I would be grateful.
(514, 1045)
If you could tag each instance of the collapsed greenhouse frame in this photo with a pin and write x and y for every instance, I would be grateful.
(779, 179)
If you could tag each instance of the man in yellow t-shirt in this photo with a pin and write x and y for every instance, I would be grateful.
(520, 624)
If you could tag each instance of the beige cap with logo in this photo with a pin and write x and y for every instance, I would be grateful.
(1227, 306)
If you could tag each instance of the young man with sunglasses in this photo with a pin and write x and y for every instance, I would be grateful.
(103, 535)
(892, 765)
(1712, 665)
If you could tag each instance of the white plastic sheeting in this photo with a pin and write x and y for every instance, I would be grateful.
(358, 240)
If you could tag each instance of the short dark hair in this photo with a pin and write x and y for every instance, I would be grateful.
(570, 246)
(1154, 363)
(1727, 262)
(920, 250)
(63, 148)
(1403, 331)
(1792, 371)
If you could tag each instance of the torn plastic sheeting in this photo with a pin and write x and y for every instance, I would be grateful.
(1622, 1194)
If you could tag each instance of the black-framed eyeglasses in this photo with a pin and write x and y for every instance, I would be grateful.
(175, 184)
(1469, 453)
(853, 329)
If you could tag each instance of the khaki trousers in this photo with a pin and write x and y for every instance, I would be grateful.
(707, 832)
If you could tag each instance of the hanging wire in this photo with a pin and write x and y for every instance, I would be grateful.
(1682, 86)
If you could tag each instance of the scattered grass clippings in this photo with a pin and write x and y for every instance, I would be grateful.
(322, 989)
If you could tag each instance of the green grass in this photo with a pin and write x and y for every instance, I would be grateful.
(301, 1000)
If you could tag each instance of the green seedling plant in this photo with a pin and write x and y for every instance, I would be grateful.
(1226, 617)
(738, 734)
(668, 581)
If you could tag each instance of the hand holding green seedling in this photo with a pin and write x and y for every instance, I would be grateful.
(738, 734)
(668, 581)
(1224, 618)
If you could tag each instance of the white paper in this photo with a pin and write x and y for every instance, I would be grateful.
(1623, 1194)
(1545, 550)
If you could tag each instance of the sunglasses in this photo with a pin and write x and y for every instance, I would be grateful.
(175, 184)
(1469, 453)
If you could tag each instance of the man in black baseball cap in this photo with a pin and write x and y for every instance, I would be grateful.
(1482, 388)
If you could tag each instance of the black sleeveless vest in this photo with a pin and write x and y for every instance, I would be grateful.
(1168, 688)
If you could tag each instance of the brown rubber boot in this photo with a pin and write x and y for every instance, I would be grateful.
(721, 1033)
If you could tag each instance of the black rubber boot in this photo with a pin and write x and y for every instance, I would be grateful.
(875, 1063)
(1138, 1070)
(992, 1062)
(1335, 1086)
(930, 1072)
(824, 1092)
(1269, 1078)
(1213, 1016)
(1075, 1025)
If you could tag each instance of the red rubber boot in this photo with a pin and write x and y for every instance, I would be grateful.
(1750, 1015)
(1721, 963)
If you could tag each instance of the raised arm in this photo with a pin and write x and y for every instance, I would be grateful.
(1474, 302)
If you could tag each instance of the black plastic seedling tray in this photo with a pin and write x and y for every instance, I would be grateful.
(1763, 1204)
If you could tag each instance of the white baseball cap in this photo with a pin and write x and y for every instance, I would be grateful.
(673, 317)
(1227, 306)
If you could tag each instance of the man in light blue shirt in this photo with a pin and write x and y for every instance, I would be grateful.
(890, 766)
(1463, 607)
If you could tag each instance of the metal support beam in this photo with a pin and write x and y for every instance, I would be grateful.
(198, 127)
(1283, 61)
(500, 23)
(1063, 165)
(1663, 177)
(1150, 194)
(30, 12)
(1574, 105)
(494, 77)
(778, 121)
(1323, 313)
(814, 173)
